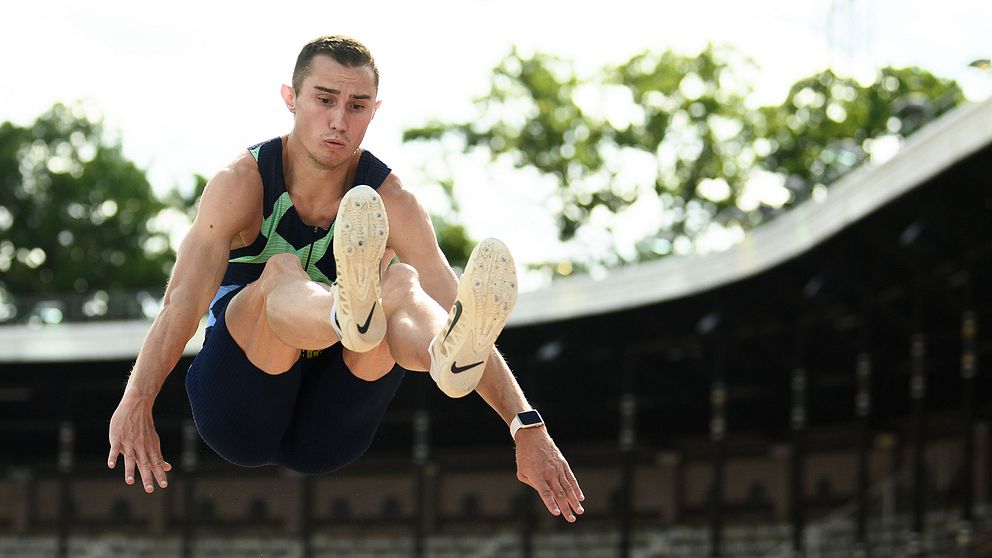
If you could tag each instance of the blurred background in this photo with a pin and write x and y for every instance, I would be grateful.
(753, 241)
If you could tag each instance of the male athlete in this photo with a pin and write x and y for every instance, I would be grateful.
(309, 331)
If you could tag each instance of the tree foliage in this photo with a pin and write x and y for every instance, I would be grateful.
(829, 124)
(74, 212)
(712, 160)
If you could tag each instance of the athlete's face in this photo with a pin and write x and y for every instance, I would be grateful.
(333, 109)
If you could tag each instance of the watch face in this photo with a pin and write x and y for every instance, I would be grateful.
(529, 418)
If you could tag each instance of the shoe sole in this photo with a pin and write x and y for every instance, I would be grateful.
(487, 293)
(361, 230)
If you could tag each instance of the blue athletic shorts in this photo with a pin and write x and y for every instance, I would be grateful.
(315, 418)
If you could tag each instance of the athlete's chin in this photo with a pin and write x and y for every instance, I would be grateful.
(331, 158)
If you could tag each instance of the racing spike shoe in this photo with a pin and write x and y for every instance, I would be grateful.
(487, 292)
(360, 233)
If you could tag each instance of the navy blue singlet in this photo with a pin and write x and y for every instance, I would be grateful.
(316, 417)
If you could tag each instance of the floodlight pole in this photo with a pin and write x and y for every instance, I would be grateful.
(627, 443)
(797, 479)
(190, 461)
(718, 433)
(797, 423)
(917, 395)
(862, 411)
(67, 440)
(969, 369)
(862, 406)
(421, 458)
(306, 516)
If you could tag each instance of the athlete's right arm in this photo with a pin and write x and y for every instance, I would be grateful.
(230, 205)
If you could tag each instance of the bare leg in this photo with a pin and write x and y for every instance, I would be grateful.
(281, 313)
(284, 312)
(413, 317)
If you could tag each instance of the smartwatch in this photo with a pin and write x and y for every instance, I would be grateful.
(526, 419)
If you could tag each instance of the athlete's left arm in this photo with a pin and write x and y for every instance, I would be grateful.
(540, 464)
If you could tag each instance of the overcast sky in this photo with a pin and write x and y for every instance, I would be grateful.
(189, 84)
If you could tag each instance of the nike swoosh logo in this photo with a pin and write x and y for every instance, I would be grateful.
(455, 369)
(458, 315)
(365, 327)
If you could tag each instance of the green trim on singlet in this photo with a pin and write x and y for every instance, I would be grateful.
(276, 244)
(254, 152)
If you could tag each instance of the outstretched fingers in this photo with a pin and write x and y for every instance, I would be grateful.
(145, 468)
(542, 466)
(159, 468)
(152, 468)
(115, 452)
(132, 434)
(129, 462)
(548, 497)
(561, 495)
(572, 491)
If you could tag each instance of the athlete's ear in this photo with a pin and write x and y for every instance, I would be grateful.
(375, 107)
(289, 97)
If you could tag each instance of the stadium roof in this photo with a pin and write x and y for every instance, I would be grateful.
(934, 149)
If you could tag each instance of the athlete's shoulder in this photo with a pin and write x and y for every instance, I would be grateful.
(241, 172)
(235, 191)
(371, 170)
(265, 151)
(395, 195)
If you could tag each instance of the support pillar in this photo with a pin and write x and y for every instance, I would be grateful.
(627, 445)
(862, 406)
(918, 392)
(67, 442)
(797, 477)
(190, 461)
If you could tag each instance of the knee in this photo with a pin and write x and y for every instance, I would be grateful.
(370, 366)
(399, 281)
(280, 266)
(283, 263)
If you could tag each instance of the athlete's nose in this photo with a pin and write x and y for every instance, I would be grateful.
(337, 121)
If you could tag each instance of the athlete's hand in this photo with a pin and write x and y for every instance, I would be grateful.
(541, 465)
(132, 434)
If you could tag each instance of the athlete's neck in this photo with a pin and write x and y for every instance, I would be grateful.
(306, 171)
(314, 186)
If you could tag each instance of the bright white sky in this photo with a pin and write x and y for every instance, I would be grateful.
(188, 84)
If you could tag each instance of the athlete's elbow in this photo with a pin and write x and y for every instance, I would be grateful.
(181, 307)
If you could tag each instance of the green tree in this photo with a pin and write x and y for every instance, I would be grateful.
(829, 124)
(688, 117)
(451, 234)
(74, 212)
(685, 112)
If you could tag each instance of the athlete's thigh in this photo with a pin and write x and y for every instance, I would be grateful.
(336, 413)
(248, 326)
(240, 411)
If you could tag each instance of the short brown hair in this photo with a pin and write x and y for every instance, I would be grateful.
(344, 50)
